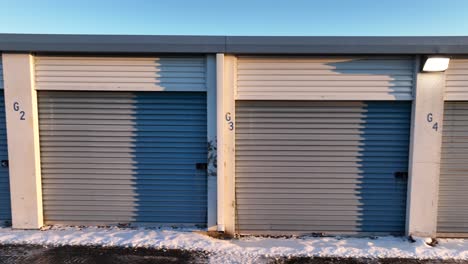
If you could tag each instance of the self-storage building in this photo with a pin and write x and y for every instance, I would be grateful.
(244, 135)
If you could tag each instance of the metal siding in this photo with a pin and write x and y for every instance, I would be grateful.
(456, 80)
(121, 73)
(453, 194)
(123, 157)
(314, 78)
(304, 166)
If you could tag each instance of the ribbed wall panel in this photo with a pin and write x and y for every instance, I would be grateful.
(315, 78)
(453, 186)
(123, 157)
(120, 73)
(1, 72)
(305, 166)
(456, 80)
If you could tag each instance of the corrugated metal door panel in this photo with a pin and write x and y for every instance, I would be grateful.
(305, 166)
(121, 73)
(123, 157)
(332, 78)
(5, 204)
(453, 186)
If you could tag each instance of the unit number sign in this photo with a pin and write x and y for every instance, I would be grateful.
(430, 119)
(17, 108)
(229, 121)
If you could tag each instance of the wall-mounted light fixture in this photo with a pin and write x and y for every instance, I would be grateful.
(436, 64)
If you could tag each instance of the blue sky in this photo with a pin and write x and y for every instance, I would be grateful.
(237, 17)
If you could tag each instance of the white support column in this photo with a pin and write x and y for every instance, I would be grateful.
(220, 137)
(424, 167)
(212, 128)
(23, 141)
(226, 68)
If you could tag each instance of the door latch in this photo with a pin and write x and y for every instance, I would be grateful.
(403, 175)
(201, 166)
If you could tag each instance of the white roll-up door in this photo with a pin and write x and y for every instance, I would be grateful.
(123, 157)
(453, 186)
(325, 167)
(452, 215)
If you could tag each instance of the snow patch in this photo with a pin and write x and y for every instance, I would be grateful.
(243, 250)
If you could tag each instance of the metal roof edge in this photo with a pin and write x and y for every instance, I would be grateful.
(62, 43)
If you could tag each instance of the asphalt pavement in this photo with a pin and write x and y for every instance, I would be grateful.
(29, 254)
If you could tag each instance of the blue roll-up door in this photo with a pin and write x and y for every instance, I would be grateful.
(123, 157)
(5, 204)
(321, 167)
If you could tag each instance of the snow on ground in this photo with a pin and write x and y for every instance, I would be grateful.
(244, 250)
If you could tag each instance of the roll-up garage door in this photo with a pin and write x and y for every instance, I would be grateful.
(453, 186)
(5, 205)
(123, 157)
(326, 167)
